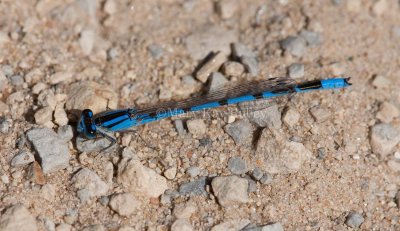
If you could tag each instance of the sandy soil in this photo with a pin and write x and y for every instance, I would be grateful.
(140, 50)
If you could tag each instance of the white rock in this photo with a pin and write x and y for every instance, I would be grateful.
(110, 7)
(197, 127)
(91, 95)
(60, 77)
(89, 184)
(230, 190)
(291, 117)
(384, 138)
(60, 116)
(170, 173)
(86, 41)
(181, 225)
(43, 115)
(380, 7)
(211, 65)
(124, 204)
(17, 217)
(231, 225)
(21, 159)
(184, 211)
(279, 154)
(137, 178)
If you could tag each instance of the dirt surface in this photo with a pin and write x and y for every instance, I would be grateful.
(141, 51)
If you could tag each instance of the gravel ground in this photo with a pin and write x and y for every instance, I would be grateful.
(318, 161)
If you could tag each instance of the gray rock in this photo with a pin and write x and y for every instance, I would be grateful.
(294, 45)
(257, 174)
(267, 117)
(193, 171)
(217, 80)
(104, 200)
(179, 127)
(354, 220)
(291, 117)
(7, 70)
(188, 80)
(240, 50)
(241, 131)
(17, 80)
(250, 64)
(252, 185)
(384, 138)
(17, 217)
(320, 114)
(210, 39)
(52, 149)
(156, 51)
(237, 165)
(5, 125)
(49, 224)
(230, 190)
(194, 188)
(21, 159)
(89, 185)
(95, 145)
(65, 133)
(112, 53)
(313, 39)
(296, 70)
(266, 178)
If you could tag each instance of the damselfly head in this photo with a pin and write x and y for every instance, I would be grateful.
(86, 124)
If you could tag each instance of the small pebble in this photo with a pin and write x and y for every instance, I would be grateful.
(354, 220)
(188, 80)
(7, 70)
(321, 153)
(112, 54)
(179, 127)
(52, 149)
(17, 80)
(5, 125)
(294, 45)
(17, 217)
(241, 131)
(86, 41)
(231, 225)
(185, 210)
(193, 171)
(156, 51)
(257, 174)
(313, 39)
(193, 188)
(170, 173)
(93, 145)
(291, 117)
(197, 127)
(21, 159)
(384, 138)
(60, 77)
(380, 7)
(320, 114)
(267, 117)
(110, 7)
(232, 68)
(43, 115)
(266, 179)
(181, 225)
(240, 50)
(387, 112)
(124, 204)
(381, 82)
(89, 185)
(250, 64)
(296, 71)
(211, 65)
(237, 165)
(60, 116)
(226, 8)
(230, 190)
(217, 81)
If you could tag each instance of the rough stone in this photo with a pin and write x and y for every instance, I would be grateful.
(197, 127)
(312, 38)
(294, 45)
(387, 112)
(230, 190)
(44, 115)
(279, 154)
(241, 131)
(354, 220)
(267, 117)
(208, 39)
(232, 68)
(194, 188)
(140, 179)
(52, 149)
(296, 70)
(124, 204)
(21, 159)
(83, 95)
(320, 114)
(384, 138)
(250, 64)
(237, 165)
(211, 65)
(291, 117)
(217, 80)
(17, 217)
(233, 224)
(89, 185)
